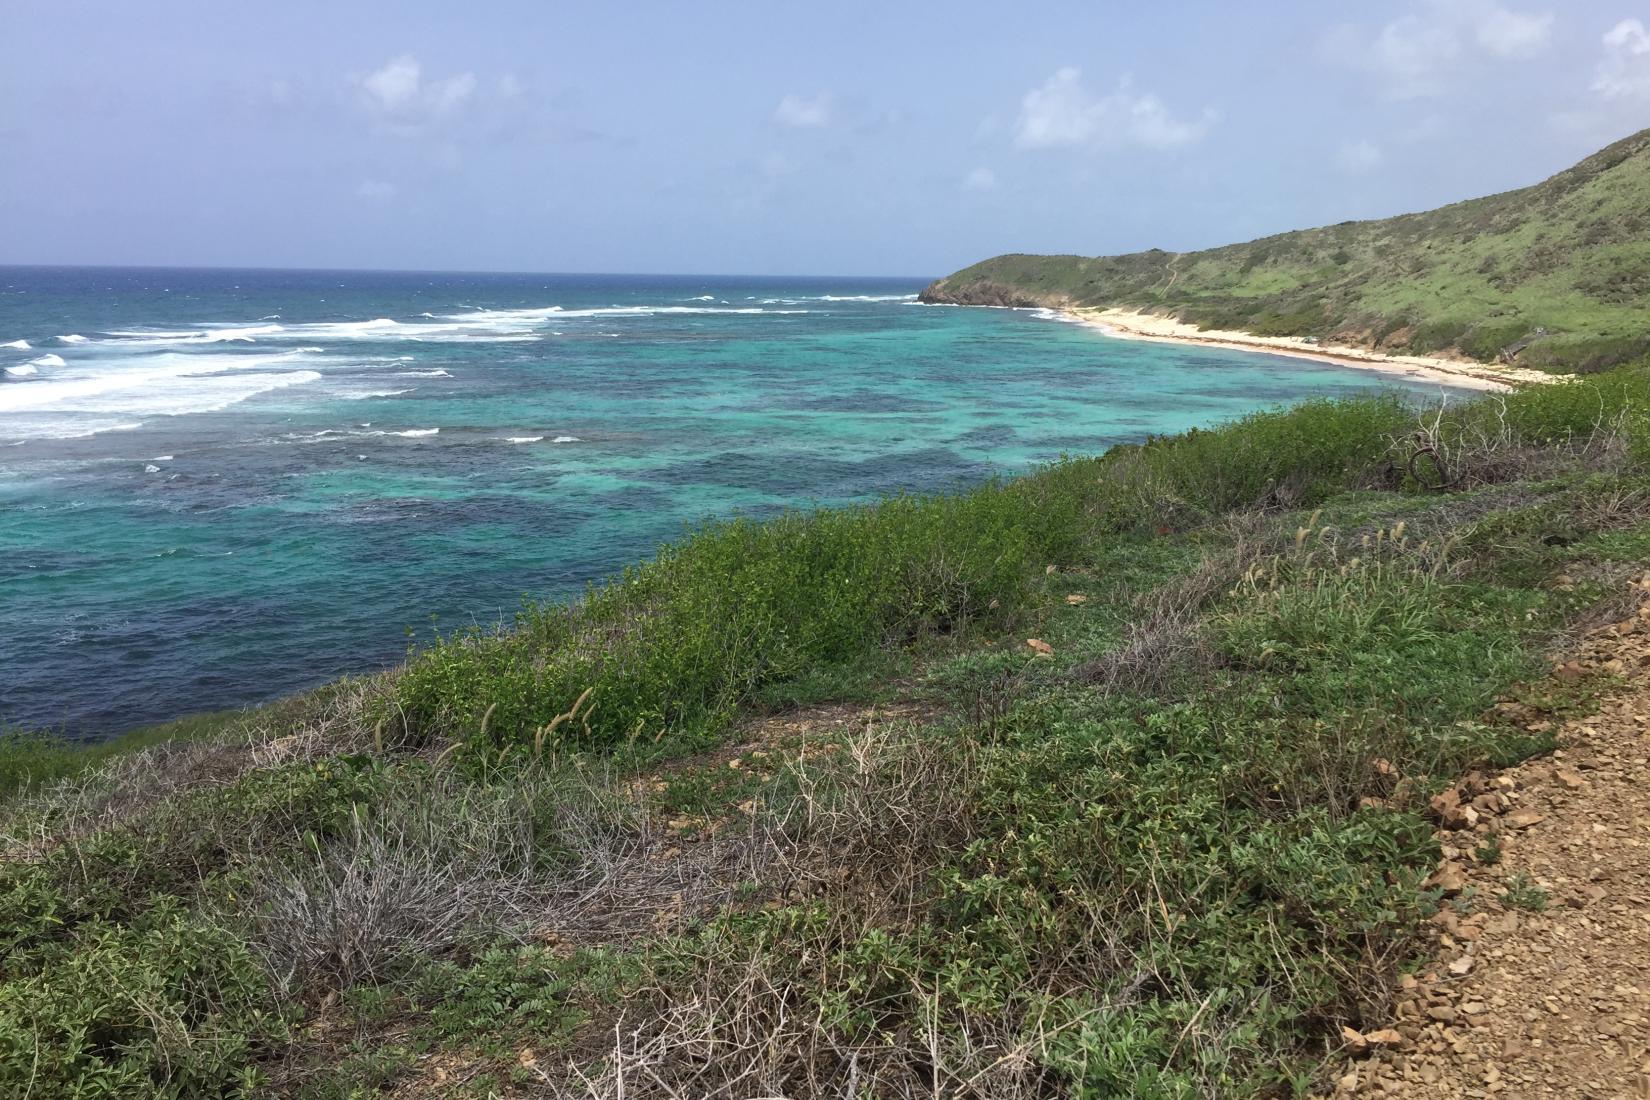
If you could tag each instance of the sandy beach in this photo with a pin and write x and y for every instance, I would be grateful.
(1464, 373)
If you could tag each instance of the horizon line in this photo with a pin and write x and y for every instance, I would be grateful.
(450, 271)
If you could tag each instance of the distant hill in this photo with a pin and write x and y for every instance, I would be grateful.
(1556, 275)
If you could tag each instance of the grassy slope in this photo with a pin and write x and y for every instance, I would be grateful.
(1571, 254)
(1161, 862)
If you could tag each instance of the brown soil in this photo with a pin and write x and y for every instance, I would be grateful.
(1541, 983)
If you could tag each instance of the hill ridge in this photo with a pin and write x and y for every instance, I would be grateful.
(1555, 275)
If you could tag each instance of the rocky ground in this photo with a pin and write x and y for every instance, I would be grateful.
(1541, 982)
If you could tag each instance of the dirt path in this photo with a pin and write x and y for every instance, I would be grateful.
(1541, 988)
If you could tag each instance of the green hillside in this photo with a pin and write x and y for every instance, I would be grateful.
(1113, 780)
(1563, 265)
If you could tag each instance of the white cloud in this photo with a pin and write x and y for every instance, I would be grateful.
(1509, 34)
(980, 179)
(399, 94)
(798, 111)
(1625, 71)
(1414, 56)
(376, 190)
(394, 86)
(1359, 156)
(1418, 54)
(1064, 112)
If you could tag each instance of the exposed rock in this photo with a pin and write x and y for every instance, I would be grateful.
(1570, 778)
(983, 292)
(1449, 878)
(1447, 809)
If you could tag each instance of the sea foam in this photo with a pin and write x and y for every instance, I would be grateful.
(168, 384)
(362, 396)
(519, 316)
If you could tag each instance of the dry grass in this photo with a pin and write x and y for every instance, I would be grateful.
(1162, 641)
(741, 1030)
(129, 784)
(440, 860)
(1466, 452)
(864, 824)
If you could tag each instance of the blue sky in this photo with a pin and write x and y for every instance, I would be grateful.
(852, 138)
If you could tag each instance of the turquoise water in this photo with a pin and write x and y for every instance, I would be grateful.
(217, 487)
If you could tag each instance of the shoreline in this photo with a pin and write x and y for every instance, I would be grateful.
(1123, 324)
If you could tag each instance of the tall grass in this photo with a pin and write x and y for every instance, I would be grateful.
(671, 648)
(676, 644)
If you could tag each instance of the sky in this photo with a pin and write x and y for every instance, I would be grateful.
(723, 137)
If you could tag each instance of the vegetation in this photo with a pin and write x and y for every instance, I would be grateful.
(1556, 275)
(1167, 850)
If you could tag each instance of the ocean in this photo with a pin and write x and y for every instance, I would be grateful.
(218, 487)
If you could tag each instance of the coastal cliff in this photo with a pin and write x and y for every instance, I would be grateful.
(1555, 276)
(989, 292)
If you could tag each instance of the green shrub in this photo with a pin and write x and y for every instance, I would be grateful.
(1212, 857)
(1487, 339)
(1585, 354)
(1402, 639)
(1293, 322)
(1524, 893)
(28, 758)
(675, 644)
(1436, 336)
(174, 847)
(514, 994)
(1561, 411)
(168, 1006)
(1292, 458)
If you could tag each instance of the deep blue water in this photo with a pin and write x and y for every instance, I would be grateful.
(217, 487)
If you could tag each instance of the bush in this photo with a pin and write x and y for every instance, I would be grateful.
(1436, 336)
(1486, 340)
(1267, 460)
(1586, 354)
(189, 840)
(169, 1006)
(1562, 412)
(29, 758)
(433, 860)
(510, 994)
(676, 644)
